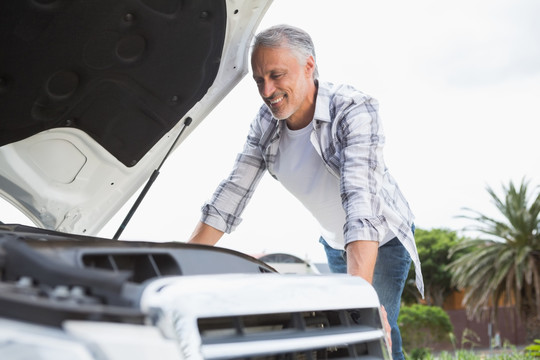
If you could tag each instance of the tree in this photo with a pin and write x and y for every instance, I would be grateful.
(434, 247)
(502, 265)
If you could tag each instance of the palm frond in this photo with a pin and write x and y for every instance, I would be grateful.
(502, 265)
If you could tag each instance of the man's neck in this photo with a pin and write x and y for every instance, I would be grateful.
(303, 117)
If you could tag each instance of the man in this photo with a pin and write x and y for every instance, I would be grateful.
(324, 144)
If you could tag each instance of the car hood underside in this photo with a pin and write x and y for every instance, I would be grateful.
(94, 95)
(124, 72)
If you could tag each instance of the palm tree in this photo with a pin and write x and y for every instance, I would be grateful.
(502, 265)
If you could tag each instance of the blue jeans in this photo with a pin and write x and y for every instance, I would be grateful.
(391, 270)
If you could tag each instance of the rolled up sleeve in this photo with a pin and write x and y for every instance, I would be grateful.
(223, 211)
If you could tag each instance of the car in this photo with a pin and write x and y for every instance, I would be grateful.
(94, 96)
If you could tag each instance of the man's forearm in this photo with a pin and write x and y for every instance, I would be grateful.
(205, 234)
(361, 258)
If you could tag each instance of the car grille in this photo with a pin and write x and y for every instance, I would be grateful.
(334, 334)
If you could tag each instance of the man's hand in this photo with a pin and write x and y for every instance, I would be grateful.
(387, 328)
(361, 259)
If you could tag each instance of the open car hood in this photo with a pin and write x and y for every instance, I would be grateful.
(93, 94)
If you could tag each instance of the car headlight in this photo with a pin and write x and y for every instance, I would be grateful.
(20, 341)
(84, 340)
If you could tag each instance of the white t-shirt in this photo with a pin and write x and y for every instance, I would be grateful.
(300, 169)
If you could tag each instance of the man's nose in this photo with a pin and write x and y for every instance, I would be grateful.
(268, 89)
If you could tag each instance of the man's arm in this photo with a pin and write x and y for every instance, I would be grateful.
(361, 258)
(205, 234)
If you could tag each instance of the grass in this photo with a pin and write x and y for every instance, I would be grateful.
(503, 354)
(473, 355)
(471, 352)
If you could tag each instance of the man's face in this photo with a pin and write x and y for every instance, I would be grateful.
(283, 82)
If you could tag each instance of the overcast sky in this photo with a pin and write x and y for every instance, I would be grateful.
(459, 90)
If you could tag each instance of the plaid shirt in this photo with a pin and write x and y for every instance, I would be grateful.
(348, 135)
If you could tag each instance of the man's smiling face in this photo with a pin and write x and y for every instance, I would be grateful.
(284, 83)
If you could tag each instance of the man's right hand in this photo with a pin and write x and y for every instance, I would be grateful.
(387, 328)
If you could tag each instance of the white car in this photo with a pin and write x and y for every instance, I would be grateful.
(93, 97)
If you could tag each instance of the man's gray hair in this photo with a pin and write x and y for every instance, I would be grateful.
(290, 37)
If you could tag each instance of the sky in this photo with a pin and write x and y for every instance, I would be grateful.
(459, 90)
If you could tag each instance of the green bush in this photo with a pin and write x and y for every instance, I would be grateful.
(420, 354)
(422, 326)
(534, 349)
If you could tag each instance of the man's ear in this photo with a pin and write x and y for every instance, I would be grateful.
(310, 66)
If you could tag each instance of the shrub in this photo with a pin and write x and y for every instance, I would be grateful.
(420, 354)
(534, 349)
(422, 326)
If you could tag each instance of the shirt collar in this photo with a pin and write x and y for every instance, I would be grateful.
(322, 104)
